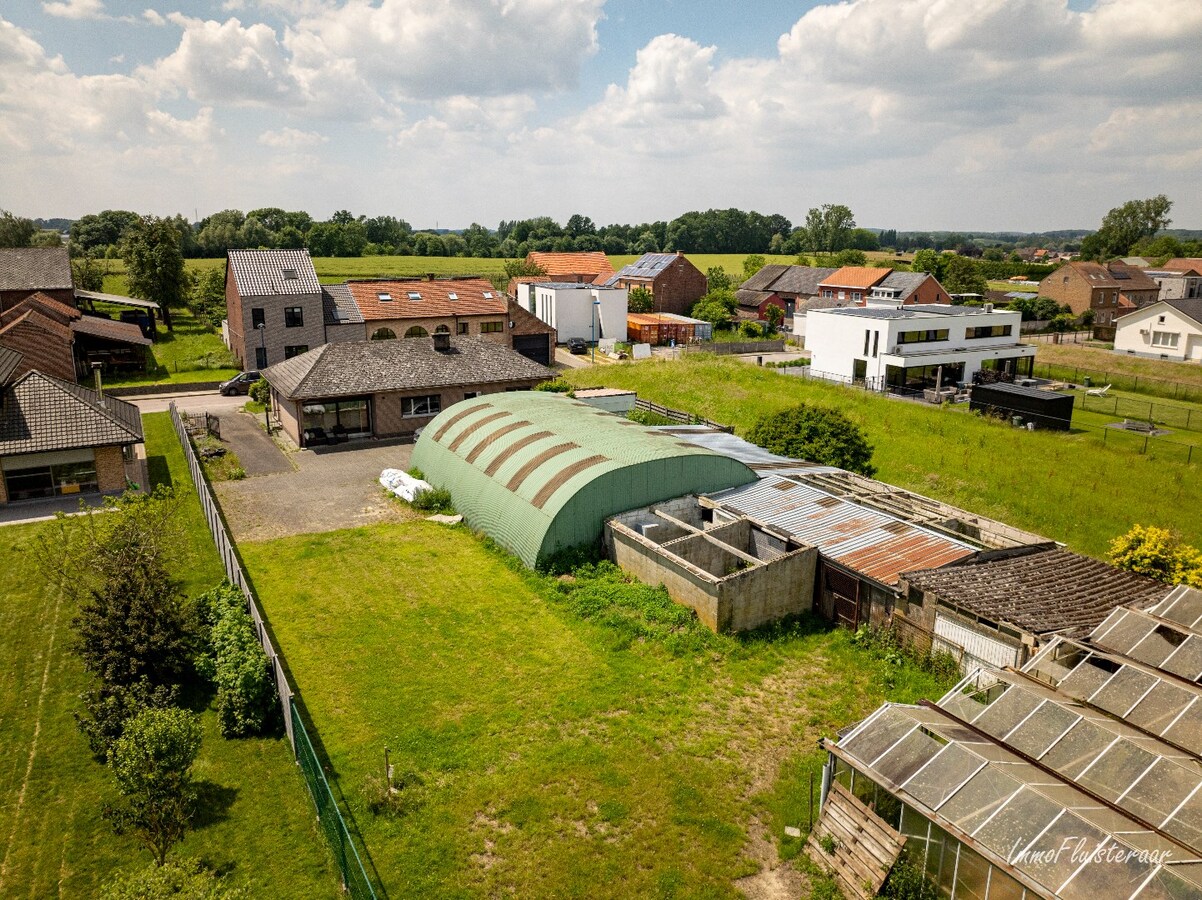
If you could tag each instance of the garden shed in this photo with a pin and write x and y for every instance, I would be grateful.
(1046, 409)
(539, 473)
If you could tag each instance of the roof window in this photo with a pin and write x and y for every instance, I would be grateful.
(488, 295)
(291, 274)
(384, 297)
(414, 295)
(451, 295)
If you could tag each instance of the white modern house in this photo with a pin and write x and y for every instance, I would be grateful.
(587, 311)
(916, 347)
(1167, 329)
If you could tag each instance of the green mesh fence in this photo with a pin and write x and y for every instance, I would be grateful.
(338, 836)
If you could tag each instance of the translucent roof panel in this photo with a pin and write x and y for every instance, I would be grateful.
(1133, 633)
(1183, 605)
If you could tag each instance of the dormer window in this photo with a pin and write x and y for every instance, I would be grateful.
(414, 295)
(384, 297)
(290, 275)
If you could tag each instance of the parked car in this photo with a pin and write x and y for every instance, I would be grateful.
(577, 346)
(239, 384)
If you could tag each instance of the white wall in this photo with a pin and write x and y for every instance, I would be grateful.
(837, 339)
(570, 311)
(1164, 327)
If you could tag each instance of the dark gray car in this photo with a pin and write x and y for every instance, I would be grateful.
(239, 384)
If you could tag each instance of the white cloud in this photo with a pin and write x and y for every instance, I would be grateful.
(154, 17)
(75, 9)
(291, 139)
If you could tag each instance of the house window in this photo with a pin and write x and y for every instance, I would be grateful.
(417, 331)
(856, 296)
(1160, 320)
(414, 407)
(492, 327)
(52, 480)
(922, 337)
(828, 294)
(468, 395)
(461, 328)
(325, 418)
(383, 334)
(442, 329)
(260, 357)
(295, 350)
(294, 317)
(257, 317)
(876, 342)
(1165, 338)
(986, 331)
(867, 338)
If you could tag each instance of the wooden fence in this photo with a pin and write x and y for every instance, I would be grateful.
(676, 415)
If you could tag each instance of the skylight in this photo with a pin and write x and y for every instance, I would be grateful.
(452, 296)
(291, 274)
(414, 295)
(488, 295)
(384, 296)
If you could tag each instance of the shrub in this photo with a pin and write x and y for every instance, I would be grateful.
(906, 881)
(639, 300)
(235, 663)
(175, 879)
(435, 500)
(1157, 553)
(555, 386)
(815, 433)
(647, 417)
(260, 391)
(110, 706)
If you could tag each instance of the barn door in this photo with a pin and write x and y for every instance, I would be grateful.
(840, 597)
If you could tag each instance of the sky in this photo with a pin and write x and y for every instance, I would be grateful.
(1023, 115)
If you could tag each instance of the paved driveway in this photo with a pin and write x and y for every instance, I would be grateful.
(330, 488)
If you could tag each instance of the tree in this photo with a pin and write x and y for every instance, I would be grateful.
(88, 273)
(98, 231)
(929, 261)
(640, 300)
(1157, 553)
(208, 296)
(44, 239)
(827, 229)
(152, 765)
(15, 231)
(1126, 225)
(850, 257)
(753, 263)
(815, 433)
(961, 276)
(863, 239)
(154, 265)
(774, 315)
(717, 279)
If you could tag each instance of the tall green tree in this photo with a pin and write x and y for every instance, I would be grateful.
(154, 265)
(16, 231)
(962, 276)
(640, 300)
(152, 765)
(827, 228)
(1124, 226)
(752, 264)
(815, 433)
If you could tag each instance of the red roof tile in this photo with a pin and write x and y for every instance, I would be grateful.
(561, 265)
(396, 299)
(855, 277)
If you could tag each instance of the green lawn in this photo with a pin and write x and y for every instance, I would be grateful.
(190, 353)
(1069, 487)
(52, 840)
(1157, 378)
(544, 755)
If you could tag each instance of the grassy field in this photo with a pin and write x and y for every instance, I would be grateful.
(190, 353)
(1154, 377)
(1069, 487)
(52, 840)
(543, 754)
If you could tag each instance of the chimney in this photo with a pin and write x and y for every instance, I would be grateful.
(442, 341)
(429, 276)
(988, 307)
(680, 253)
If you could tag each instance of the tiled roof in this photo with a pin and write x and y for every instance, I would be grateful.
(34, 316)
(44, 344)
(46, 305)
(438, 297)
(855, 277)
(1095, 274)
(35, 268)
(752, 299)
(594, 263)
(764, 278)
(41, 413)
(801, 279)
(261, 273)
(9, 360)
(1131, 279)
(338, 307)
(352, 368)
(1040, 592)
(905, 283)
(1184, 264)
(648, 266)
(110, 330)
(1187, 306)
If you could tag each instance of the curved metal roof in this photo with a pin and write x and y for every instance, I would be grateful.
(540, 472)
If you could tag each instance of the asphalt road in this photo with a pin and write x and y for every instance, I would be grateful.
(210, 401)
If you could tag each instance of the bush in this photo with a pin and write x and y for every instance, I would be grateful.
(260, 392)
(435, 500)
(1157, 553)
(110, 706)
(235, 663)
(175, 879)
(555, 386)
(815, 433)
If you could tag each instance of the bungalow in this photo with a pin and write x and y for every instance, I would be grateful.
(675, 283)
(1184, 282)
(57, 438)
(389, 388)
(1168, 329)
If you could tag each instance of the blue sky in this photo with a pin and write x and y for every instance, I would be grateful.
(919, 114)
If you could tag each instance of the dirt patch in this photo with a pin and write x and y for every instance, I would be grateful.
(776, 880)
(327, 491)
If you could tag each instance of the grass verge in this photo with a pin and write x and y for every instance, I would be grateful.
(259, 822)
(553, 737)
(1068, 487)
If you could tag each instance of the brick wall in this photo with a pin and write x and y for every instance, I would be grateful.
(233, 316)
(401, 326)
(3, 489)
(110, 469)
(678, 287)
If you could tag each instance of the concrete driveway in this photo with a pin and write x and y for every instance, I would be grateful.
(324, 490)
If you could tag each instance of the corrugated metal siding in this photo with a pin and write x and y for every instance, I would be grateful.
(871, 543)
(546, 473)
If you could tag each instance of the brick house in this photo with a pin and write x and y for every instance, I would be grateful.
(389, 388)
(674, 282)
(59, 439)
(274, 306)
(1109, 290)
(25, 271)
(586, 267)
(779, 286)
